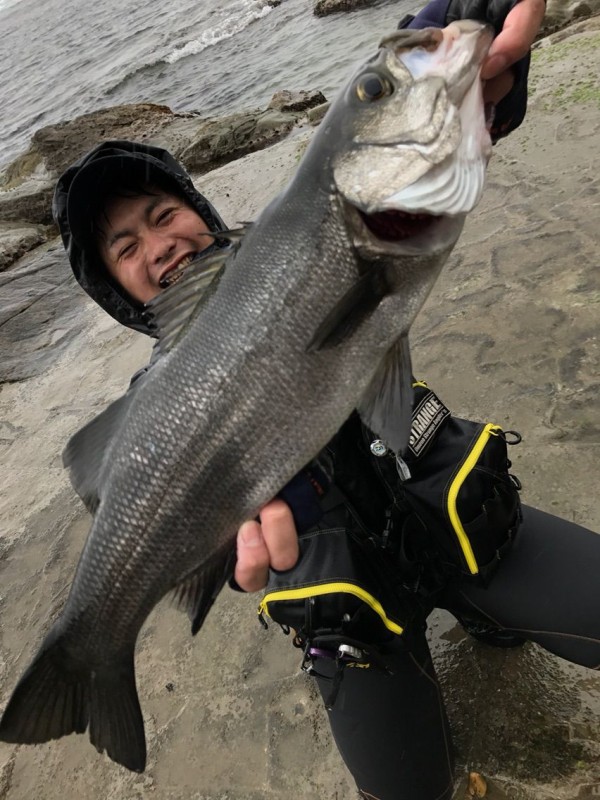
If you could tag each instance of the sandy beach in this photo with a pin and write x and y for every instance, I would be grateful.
(510, 335)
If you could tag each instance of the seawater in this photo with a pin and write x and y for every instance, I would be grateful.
(62, 58)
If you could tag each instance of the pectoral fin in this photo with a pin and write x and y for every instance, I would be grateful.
(171, 311)
(386, 407)
(354, 306)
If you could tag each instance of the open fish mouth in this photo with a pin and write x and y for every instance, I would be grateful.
(396, 231)
(396, 226)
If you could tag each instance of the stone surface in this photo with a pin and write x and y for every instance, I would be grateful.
(560, 13)
(229, 138)
(29, 201)
(286, 100)
(324, 7)
(17, 239)
(315, 115)
(569, 31)
(39, 306)
(61, 144)
(27, 184)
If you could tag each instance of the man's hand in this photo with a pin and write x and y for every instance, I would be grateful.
(272, 542)
(512, 43)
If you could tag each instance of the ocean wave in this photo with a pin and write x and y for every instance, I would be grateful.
(130, 75)
(230, 26)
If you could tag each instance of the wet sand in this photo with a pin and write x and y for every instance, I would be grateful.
(510, 335)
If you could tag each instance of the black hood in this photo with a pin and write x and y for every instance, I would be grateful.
(72, 205)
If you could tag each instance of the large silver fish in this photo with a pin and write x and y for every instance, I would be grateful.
(308, 320)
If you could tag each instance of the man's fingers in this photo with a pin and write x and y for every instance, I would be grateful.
(516, 37)
(272, 542)
(252, 567)
(280, 535)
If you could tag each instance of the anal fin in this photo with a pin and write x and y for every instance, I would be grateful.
(197, 593)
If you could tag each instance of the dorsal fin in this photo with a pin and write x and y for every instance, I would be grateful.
(171, 311)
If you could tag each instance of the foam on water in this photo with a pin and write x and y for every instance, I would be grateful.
(215, 58)
(232, 23)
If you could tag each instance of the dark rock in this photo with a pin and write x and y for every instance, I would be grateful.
(24, 166)
(324, 7)
(18, 239)
(316, 114)
(40, 313)
(219, 141)
(581, 10)
(59, 145)
(27, 184)
(555, 29)
(29, 203)
(296, 101)
(560, 19)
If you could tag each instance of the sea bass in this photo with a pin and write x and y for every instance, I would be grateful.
(307, 320)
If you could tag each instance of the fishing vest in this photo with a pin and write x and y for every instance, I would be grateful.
(395, 530)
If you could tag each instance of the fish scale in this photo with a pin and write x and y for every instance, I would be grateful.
(307, 320)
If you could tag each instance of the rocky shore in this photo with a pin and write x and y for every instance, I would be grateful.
(201, 144)
(510, 335)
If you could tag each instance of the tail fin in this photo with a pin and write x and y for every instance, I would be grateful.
(58, 695)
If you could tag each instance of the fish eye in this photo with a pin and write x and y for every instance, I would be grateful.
(372, 86)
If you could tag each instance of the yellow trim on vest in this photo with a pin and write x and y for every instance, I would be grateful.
(330, 588)
(477, 449)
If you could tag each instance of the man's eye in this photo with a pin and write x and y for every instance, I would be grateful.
(127, 251)
(165, 215)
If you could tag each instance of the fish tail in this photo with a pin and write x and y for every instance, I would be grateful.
(58, 695)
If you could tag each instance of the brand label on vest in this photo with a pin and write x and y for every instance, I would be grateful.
(427, 418)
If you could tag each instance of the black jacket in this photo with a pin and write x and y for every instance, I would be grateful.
(73, 195)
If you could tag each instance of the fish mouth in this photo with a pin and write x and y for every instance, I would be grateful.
(398, 232)
(397, 226)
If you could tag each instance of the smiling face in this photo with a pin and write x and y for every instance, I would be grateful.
(145, 237)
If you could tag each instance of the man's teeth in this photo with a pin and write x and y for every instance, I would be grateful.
(175, 274)
(186, 260)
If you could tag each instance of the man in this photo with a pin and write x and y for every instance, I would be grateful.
(130, 218)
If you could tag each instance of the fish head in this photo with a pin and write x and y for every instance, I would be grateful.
(417, 140)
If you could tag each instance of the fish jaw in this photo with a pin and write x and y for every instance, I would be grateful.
(428, 158)
(454, 53)
(397, 234)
